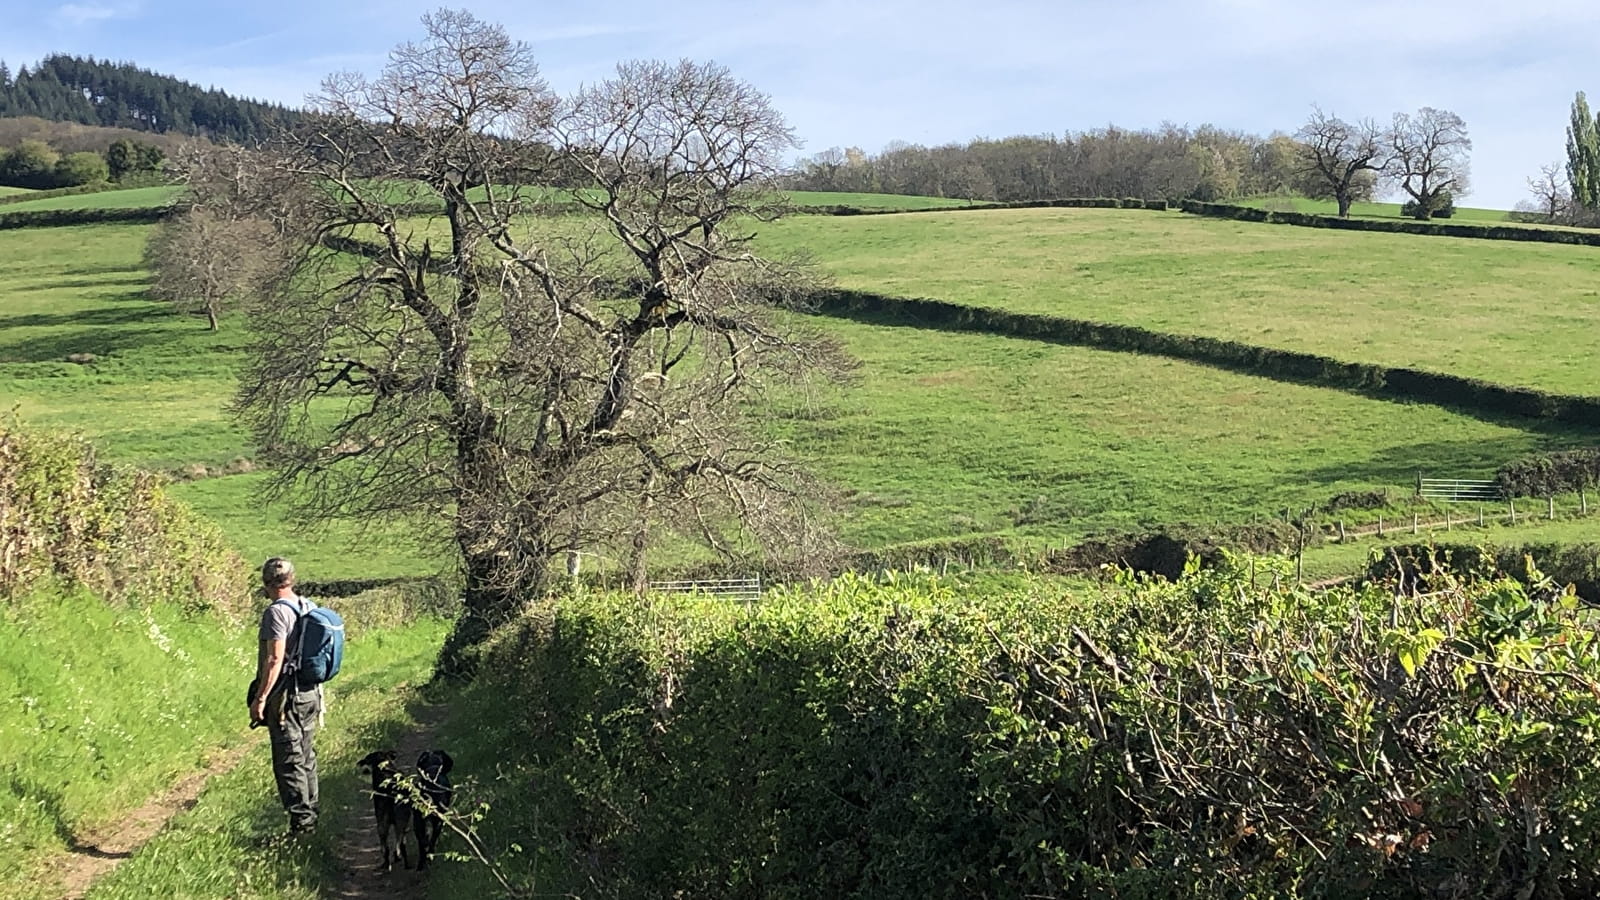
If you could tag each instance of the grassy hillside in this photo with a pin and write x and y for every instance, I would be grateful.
(1508, 312)
(155, 392)
(945, 434)
(128, 198)
(12, 191)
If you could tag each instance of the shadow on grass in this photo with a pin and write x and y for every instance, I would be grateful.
(100, 342)
(57, 284)
(110, 315)
(1447, 459)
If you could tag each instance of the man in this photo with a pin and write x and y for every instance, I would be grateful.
(291, 713)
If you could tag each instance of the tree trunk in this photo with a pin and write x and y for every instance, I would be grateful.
(1344, 205)
(211, 316)
(491, 597)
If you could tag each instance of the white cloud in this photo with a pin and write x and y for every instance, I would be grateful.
(86, 13)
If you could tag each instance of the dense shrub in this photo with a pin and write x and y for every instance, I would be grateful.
(1453, 391)
(1148, 741)
(1548, 474)
(65, 517)
(1559, 565)
(1411, 209)
(1167, 551)
(1065, 202)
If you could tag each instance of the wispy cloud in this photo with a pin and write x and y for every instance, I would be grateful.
(86, 13)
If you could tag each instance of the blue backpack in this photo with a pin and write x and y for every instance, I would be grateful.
(319, 648)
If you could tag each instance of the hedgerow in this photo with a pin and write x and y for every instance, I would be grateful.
(55, 218)
(1393, 226)
(1146, 740)
(1453, 391)
(1548, 474)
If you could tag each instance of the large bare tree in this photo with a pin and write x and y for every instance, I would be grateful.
(539, 372)
(1428, 158)
(1337, 153)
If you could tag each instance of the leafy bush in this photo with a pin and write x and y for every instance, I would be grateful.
(1150, 741)
(65, 517)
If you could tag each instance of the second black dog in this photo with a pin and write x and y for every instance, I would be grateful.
(433, 782)
(391, 805)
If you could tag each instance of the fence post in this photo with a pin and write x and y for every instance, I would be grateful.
(1512, 502)
(1552, 506)
(1447, 523)
(1413, 523)
(1480, 515)
(1583, 501)
(1341, 531)
(1380, 526)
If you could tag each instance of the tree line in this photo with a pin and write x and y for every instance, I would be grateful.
(37, 165)
(1569, 193)
(99, 92)
(1422, 156)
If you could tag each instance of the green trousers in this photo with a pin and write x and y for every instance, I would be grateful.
(292, 717)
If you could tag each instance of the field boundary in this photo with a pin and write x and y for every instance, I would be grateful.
(1470, 395)
(843, 209)
(59, 218)
(1435, 228)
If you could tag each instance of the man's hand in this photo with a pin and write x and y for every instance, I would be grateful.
(258, 710)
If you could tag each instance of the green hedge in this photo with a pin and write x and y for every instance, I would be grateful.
(58, 192)
(53, 218)
(900, 740)
(1548, 474)
(1395, 226)
(1065, 202)
(1454, 391)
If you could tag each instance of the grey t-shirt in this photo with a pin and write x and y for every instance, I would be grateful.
(277, 621)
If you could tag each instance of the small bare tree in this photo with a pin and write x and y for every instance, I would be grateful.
(535, 384)
(1550, 195)
(1336, 153)
(1428, 158)
(194, 269)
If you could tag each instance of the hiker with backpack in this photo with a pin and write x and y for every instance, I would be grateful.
(302, 646)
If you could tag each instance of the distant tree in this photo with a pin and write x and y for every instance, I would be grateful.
(533, 390)
(31, 164)
(1336, 153)
(205, 263)
(120, 158)
(1428, 158)
(1551, 196)
(77, 169)
(1583, 155)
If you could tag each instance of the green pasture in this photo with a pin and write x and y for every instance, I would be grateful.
(155, 392)
(128, 198)
(13, 191)
(1509, 312)
(956, 434)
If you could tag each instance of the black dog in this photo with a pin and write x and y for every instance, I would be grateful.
(433, 783)
(391, 804)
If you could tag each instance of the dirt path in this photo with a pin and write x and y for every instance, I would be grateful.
(361, 863)
(95, 854)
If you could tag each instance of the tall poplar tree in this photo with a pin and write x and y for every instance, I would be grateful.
(1583, 154)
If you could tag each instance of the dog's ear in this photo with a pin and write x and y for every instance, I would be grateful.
(367, 762)
(448, 762)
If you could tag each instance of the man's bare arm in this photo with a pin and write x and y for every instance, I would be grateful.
(269, 663)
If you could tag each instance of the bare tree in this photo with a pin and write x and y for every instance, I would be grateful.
(536, 385)
(1336, 153)
(205, 262)
(1551, 197)
(1428, 158)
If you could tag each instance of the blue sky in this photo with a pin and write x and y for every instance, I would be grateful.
(867, 72)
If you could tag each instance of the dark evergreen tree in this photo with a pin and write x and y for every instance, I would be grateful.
(98, 92)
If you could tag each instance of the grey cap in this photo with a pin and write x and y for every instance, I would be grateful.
(277, 572)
